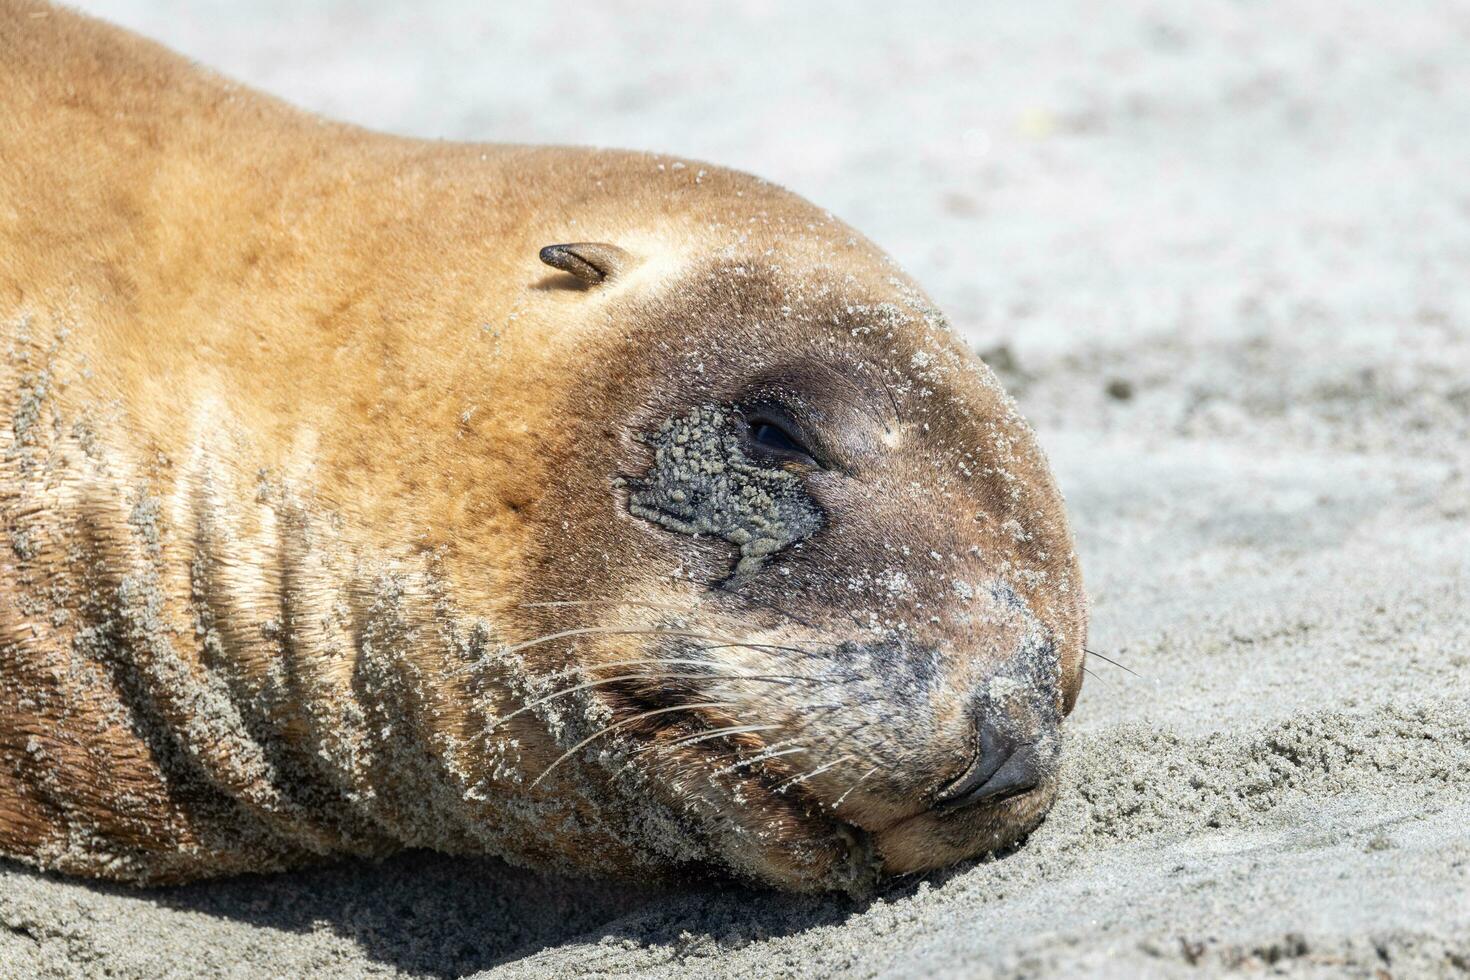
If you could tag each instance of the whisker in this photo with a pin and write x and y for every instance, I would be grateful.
(814, 772)
(720, 641)
(786, 741)
(568, 672)
(764, 603)
(1109, 660)
(769, 678)
(602, 631)
(695, 607)
(679, 661)
(637, 603)
(897, 414)
(734, 644)
(501, 649)
(619, 724)
(846, 733)
(854, 786)
(580, 631)
(704, 736)
(767, 754)
(761, 757)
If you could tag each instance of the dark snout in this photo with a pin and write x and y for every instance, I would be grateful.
(1016, 742)
(1004, 776)
(1005, 765)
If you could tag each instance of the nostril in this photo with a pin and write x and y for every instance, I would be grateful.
(1003, 768)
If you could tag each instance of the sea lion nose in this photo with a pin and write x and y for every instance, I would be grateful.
(1004, 767)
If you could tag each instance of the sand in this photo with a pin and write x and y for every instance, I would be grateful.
(1222, 262)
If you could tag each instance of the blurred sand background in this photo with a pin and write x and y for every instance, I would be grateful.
(1220, 253)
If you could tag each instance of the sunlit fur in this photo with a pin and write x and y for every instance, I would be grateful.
(317, 487)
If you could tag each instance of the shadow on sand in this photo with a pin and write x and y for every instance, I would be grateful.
(433, 915)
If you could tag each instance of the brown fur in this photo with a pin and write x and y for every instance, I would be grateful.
(303, 440)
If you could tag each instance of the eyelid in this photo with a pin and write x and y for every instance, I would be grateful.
(781, 420)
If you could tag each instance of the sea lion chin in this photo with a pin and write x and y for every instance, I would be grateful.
(600, 511)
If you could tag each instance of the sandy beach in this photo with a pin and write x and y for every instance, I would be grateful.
(1221, 258)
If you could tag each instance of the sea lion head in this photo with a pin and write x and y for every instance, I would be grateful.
(800, 555)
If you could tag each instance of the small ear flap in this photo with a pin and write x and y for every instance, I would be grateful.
(591, 262)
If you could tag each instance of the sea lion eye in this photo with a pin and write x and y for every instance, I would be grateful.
(773, 436)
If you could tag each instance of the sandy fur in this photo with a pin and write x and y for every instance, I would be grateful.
(287, 398)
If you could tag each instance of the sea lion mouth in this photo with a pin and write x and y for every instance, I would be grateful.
(849, 859)
(770, 825)
(830, 853)
(732, 735)
(839, 855)
(937, 838)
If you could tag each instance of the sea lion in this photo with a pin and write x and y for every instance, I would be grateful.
(597, 510)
